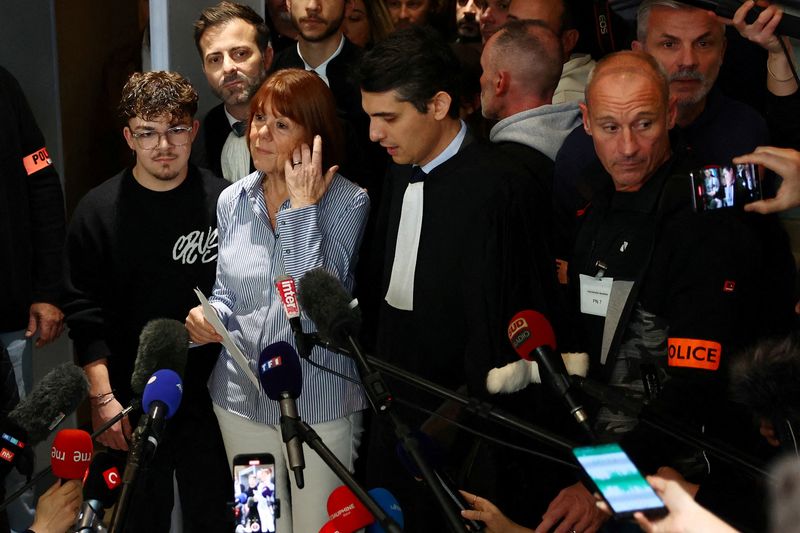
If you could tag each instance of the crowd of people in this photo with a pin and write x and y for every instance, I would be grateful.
(450, 164)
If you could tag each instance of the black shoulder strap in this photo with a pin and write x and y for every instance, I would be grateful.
(668, 199)
(602, 26)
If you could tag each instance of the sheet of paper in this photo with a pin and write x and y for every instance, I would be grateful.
(227, 341)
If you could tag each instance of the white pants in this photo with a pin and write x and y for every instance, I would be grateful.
(302, 510)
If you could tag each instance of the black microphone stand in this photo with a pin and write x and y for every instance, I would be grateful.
(380, 398)
(43, 472)
(670, 426)
(484, 410)
(295, 427)
(129, 477)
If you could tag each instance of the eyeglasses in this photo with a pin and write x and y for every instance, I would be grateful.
(177, 136)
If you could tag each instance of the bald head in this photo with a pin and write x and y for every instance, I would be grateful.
(626, 64)
(521, 68)
(628, 112)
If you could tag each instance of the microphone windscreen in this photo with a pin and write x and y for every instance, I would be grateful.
(104, 479)
(71, 453)
(346, 511)
(279, 370)
(164, 386)
(389, 504)
(327, 303)
(766, 378)
(56, 395)
(163, 344)
(530, 330)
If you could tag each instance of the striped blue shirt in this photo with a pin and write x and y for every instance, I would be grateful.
(251, 256)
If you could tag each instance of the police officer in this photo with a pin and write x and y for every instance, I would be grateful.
(663, 296)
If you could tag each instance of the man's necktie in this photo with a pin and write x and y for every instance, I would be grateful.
(239, 128)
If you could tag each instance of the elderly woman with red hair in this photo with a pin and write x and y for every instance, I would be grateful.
(294, 214)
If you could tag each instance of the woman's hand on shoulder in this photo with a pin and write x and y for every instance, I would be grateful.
(304, 178)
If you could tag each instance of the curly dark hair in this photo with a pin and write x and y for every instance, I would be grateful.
(149, 95)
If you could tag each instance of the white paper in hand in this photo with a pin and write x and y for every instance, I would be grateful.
(227, 341)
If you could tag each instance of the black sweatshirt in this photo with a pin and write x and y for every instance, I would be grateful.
(134, 255)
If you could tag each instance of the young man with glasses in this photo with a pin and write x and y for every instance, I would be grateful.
(136, 247)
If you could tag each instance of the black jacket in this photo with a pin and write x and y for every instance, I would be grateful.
(31, 211)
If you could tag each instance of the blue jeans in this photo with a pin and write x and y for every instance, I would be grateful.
(20, 351)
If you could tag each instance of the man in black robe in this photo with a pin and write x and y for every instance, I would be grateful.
(454, 257)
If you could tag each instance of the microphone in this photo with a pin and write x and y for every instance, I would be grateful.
(533, 338)
(71, 454)
(389, 504)
(100, 491)
(282, 380)
(764, 378)
(332, 309)
(58, 394)
(160, 400)
(163, 344)
(346, 512)
(338, 320)
(288, 293)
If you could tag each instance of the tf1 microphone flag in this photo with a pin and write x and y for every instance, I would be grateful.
(282, 378)
(71, 453)
(280, 372)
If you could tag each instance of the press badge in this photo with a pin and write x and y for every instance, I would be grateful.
(595, 294)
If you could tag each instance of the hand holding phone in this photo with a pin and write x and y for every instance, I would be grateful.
(619, 481)
(716, 187)
(685, 514)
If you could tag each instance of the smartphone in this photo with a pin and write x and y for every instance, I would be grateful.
(619, 482)
(255, 505)
(716, 187)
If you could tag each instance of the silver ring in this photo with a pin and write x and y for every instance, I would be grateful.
(295, 163)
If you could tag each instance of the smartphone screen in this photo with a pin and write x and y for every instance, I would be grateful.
(715, 187)
(618, 480)
(255, 505)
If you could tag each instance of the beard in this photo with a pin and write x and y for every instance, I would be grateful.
(242, 94)
(699, 94)
(468, 29)
(331, 27)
